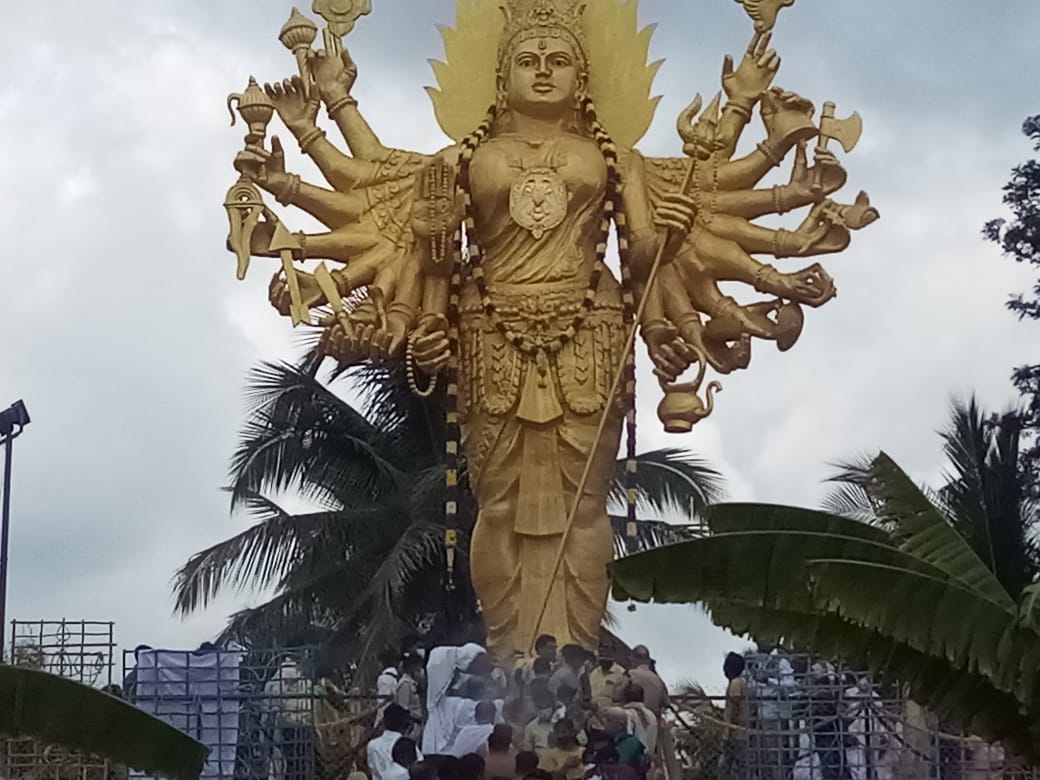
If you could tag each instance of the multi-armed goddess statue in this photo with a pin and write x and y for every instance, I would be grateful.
(485, 266)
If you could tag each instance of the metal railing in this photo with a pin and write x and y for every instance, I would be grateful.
(805, 720)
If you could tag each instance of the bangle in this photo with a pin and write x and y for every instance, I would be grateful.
(289, 192)
(338, 103)
(779, 250)
(308, 138)
(759, 285)
(778, 199)
(342, 283)
(770, 153)
(741, 108)
(302, 238)
(402, 308)
(655, 326)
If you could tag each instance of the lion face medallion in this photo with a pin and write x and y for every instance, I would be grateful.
(538, 200)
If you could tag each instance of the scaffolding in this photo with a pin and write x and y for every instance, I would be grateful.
(79, 650)
(257, 710)
(812, 720)
(264, 718)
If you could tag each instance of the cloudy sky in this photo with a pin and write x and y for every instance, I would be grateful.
(126, 333)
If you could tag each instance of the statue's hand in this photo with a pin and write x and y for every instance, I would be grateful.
(438, 206)
(671, 355)
(754, 75)
(310, 292)
(813, 230)
(676, 215)
(334, 76)
(787, 117)
(431, 349)
(832, 175)
(268, 164)
(294, 109)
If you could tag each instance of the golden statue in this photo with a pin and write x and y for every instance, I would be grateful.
(485, 266)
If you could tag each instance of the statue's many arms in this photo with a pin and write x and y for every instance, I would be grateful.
(526, 329)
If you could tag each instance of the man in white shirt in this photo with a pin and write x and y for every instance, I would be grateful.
(407, 692)
(405, 754)
(396, 721)
(386, 682)
(475, 736)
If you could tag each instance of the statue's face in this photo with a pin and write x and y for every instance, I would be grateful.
(543, 79)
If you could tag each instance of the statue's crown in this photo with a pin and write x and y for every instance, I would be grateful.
(527, 19)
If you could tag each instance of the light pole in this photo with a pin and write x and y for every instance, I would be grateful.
(12, 420)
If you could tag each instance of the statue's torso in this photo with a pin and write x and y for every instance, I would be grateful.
(538, 209)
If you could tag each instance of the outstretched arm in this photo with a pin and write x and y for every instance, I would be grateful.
(298, 113)
(782, 198)
(335, 77)
(788, 121)
(334, 209)
(744, 87)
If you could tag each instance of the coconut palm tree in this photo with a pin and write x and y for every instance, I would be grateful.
(362, 567)
(984, 495)
(922, 591)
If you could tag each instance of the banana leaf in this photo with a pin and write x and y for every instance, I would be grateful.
(73, 716)
(763, 568)
(941, 618)
(734, 517)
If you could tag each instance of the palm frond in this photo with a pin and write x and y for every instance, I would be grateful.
(277, 547)
(670, 480)
(649, 534)
(923, 531)
(986, 492)
(736, 517)
(300, 433)
(254, 558)
(762, 568)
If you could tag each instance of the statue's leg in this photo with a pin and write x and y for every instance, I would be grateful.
(493, 452)
(590, 546)
(520, 528)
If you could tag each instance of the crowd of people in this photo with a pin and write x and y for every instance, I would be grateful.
(563, 714)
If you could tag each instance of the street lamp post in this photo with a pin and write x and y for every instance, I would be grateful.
(12, 421)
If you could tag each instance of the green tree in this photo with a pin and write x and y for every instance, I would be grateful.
(365, 568)
(1019, 237)
(925, 586)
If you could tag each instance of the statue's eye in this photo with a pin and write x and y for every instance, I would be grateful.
(526, 62)
(561, 61)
